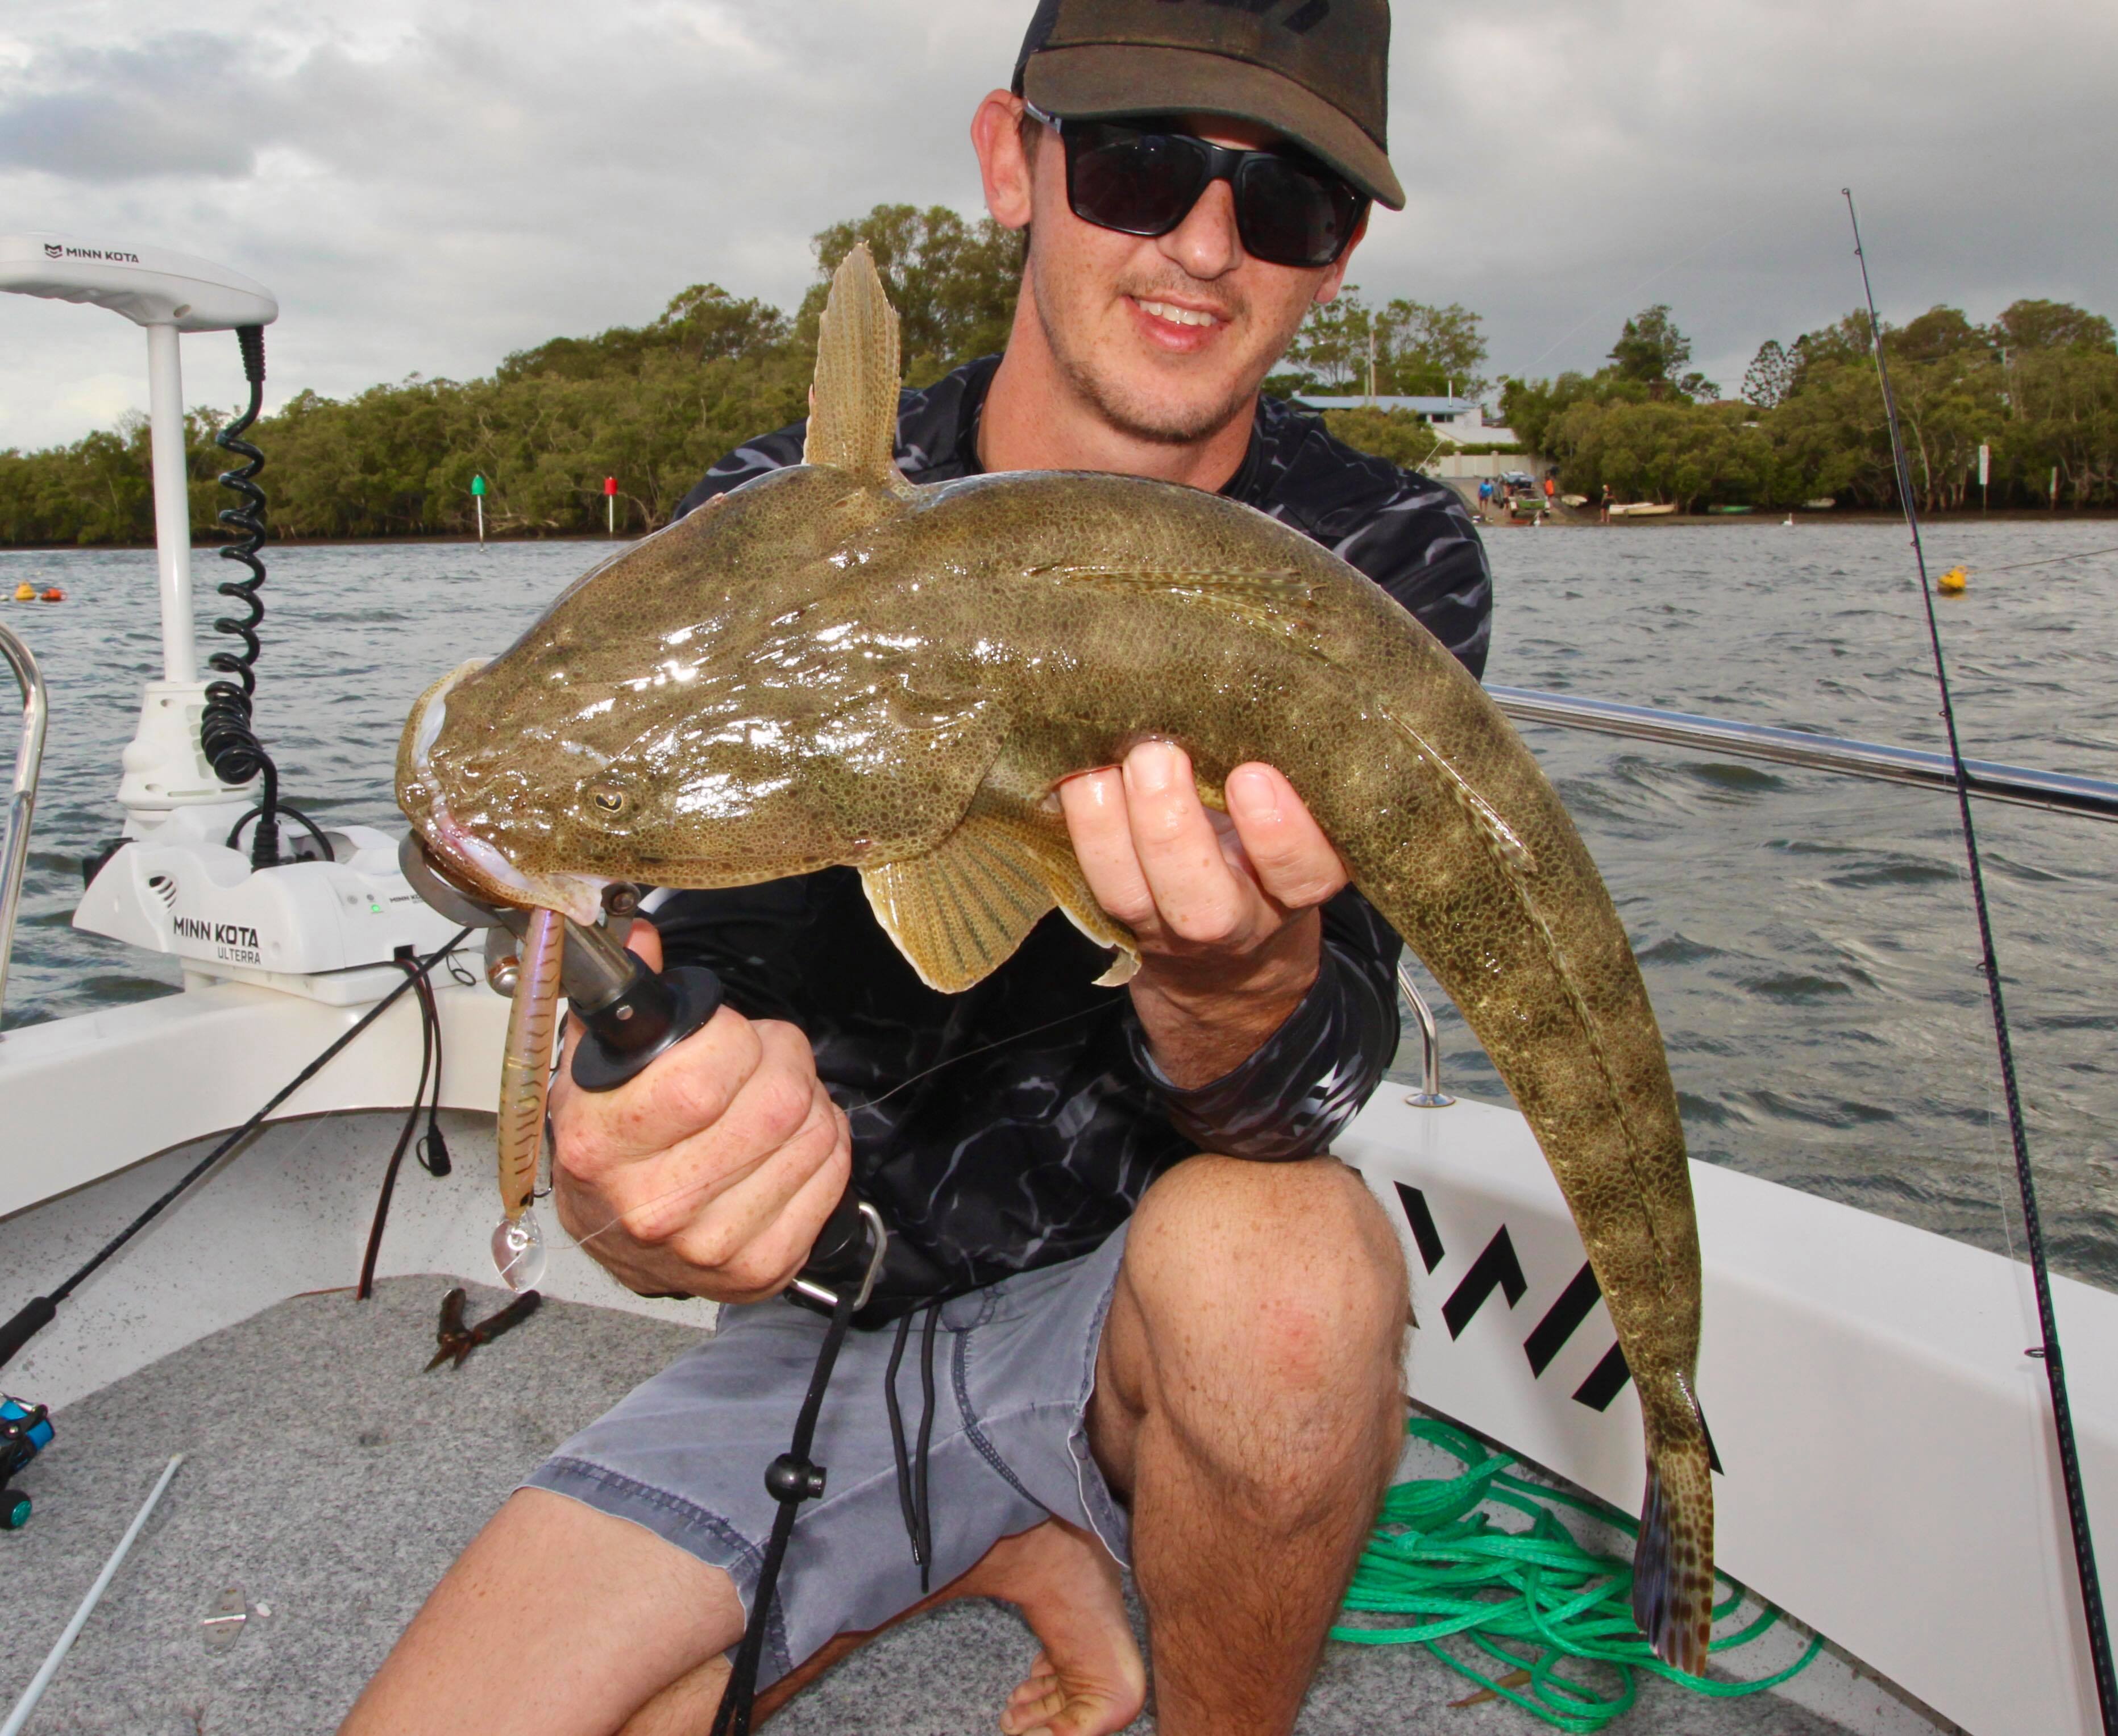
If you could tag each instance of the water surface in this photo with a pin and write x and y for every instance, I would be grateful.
(1808, 941)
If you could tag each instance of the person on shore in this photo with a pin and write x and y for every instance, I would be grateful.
(1603, 514)
(1167, 1326)
(1485, 494)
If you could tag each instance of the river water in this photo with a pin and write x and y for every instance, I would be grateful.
(1808, 941)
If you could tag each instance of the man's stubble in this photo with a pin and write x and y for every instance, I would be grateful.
(1145, 415)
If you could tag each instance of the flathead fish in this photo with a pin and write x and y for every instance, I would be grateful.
(831, 665)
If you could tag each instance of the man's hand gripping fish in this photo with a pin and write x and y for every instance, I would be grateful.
(831, 665)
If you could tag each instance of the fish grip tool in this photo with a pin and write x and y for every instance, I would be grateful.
(630, 1015)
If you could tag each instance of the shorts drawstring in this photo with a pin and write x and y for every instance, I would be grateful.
(911, 1472)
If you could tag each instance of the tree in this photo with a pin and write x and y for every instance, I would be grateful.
(1840, 345)
(953, 284)
(1652, 351)
(654, 405)
(1939, 333)
(1771, 373)
(1330, 351)
(1418, 350)
(2050, 325)
(1429, 350)
(1530, 407)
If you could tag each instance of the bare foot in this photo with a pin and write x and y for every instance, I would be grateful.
(1089, 1680)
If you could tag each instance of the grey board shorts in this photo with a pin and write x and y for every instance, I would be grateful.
(684, 1454)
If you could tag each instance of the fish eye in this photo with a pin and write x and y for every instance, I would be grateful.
(610, 802)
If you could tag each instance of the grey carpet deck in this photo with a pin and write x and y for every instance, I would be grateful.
(334, 1482)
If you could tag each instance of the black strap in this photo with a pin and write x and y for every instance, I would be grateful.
(791, 1478)
(428, 1027)
(905, 1502)
(926, 1543)
(912, 1483)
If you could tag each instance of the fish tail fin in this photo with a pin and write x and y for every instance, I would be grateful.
(1673, 1560)
(852, 405)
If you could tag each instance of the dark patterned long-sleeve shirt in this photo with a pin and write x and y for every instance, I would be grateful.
(1018, 1123)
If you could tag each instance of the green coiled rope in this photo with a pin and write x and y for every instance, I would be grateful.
(1437, 1555)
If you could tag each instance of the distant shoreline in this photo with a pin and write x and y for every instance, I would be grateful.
(1578, 519)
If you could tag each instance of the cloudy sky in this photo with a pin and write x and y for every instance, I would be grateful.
(428, 184)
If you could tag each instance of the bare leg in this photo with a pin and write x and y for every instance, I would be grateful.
(1249, 1400)
(1088, 1680)
(557, 1618)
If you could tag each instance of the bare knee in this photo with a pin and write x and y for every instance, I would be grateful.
(1282, 1280)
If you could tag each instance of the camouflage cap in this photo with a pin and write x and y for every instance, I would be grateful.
(1316, 71)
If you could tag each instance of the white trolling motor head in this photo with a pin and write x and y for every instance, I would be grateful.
(148, 285)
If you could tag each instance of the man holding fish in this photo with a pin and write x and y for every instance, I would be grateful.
(1169, 1327)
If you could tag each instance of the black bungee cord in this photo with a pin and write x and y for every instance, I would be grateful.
(2069, 1459)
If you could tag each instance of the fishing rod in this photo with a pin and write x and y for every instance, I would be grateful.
(2069, 1459)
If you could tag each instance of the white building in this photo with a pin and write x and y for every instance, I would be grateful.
(1460, 420)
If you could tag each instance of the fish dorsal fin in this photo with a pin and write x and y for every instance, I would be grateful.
(959, 912)
(852, 405)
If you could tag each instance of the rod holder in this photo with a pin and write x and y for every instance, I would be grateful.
(1429, 1096)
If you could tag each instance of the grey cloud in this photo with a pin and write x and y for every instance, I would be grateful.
(429, 185)
(189, 103)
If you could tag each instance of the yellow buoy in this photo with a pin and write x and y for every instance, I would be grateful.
(1952, 583)
(25, 592)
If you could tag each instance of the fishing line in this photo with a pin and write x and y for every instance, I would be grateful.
(2086, 554)
(2077, 1504)
(1623, 296)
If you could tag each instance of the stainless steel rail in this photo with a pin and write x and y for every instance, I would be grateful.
(29, 763)
(1429, 1096)
(2056, 792)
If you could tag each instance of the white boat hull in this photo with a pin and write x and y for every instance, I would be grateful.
(1890, 1473)
(1890, 1470)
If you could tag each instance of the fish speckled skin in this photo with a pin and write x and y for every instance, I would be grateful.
(831, 666)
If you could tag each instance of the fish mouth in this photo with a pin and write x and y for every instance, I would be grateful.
(479, 869)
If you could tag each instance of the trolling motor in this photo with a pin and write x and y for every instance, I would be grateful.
(200, 871)
(631, 1014)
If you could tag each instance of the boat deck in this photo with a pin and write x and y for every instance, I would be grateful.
(333, 1481)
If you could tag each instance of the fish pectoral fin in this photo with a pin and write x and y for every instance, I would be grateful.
(1271, 598)
(959, 912)
(852, 405)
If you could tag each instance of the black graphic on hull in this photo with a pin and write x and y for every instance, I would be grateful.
(1497, 1268)
(1562, 1318)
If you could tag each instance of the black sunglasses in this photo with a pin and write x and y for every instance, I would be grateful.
(1144, 180)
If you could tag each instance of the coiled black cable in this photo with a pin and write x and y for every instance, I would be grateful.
(226, 738)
